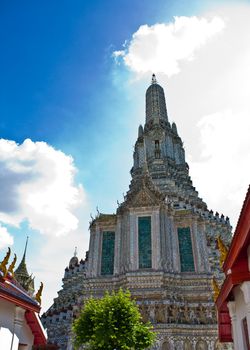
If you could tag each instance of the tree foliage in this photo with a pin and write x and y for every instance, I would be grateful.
(112, 323)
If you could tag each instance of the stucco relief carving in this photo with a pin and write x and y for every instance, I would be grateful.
(177, 313)
(144, 199)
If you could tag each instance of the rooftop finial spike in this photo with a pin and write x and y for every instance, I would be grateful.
(24, 254)
(75, 253)
(22, 275)
(154, 81)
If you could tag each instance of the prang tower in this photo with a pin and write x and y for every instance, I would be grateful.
(161, 244)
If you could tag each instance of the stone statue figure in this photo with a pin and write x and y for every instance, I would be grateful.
(201, 345)
(174, 313)
(209, 315)
(144, 313)
(186, 314)
(201, 314)
(152, 313)
(192, 316)
(160, 313)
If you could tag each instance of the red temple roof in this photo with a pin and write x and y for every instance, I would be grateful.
(13, 292)
(235, 268)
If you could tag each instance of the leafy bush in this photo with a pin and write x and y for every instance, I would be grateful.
(112, 323)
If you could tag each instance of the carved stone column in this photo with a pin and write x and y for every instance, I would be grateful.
(91, 254)
(97, 255)
(232, 312)
(155, 240)
(196, 241)
(18, 324)
(168, 239)
(133, 242)
(117, 260)
(126, 242)
(203, 247)
(175, 247)
(19, 318)
(163, 244)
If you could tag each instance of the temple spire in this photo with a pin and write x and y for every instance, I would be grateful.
(75, 252)
(21, 273)
(22, 269)
(156, 109)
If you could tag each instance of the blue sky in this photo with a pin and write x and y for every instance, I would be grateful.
(60, 84)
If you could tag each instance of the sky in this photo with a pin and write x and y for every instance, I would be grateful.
(72, 95)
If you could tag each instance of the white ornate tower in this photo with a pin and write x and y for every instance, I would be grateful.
(161, 243)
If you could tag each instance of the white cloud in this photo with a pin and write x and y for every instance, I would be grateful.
(225, 161)
(162, 47)
(37, 184)
(50, 270)
(5, 238)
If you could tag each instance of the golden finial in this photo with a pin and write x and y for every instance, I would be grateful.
(5, 262)
(153, 81)
(39, 293)
(223, 250)
(216, 289)
(12, 266)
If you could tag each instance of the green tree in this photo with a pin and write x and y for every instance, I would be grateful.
(112, 323)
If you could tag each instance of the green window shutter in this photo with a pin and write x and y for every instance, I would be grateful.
(108, 250)
(144, 242)
(185, 249)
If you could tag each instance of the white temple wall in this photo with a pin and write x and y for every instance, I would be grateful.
(6, 338)
(12, 321)
(238, 311)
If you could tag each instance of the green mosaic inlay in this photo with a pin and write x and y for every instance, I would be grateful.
(108, 250)
(185, 248)
(144, 241)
